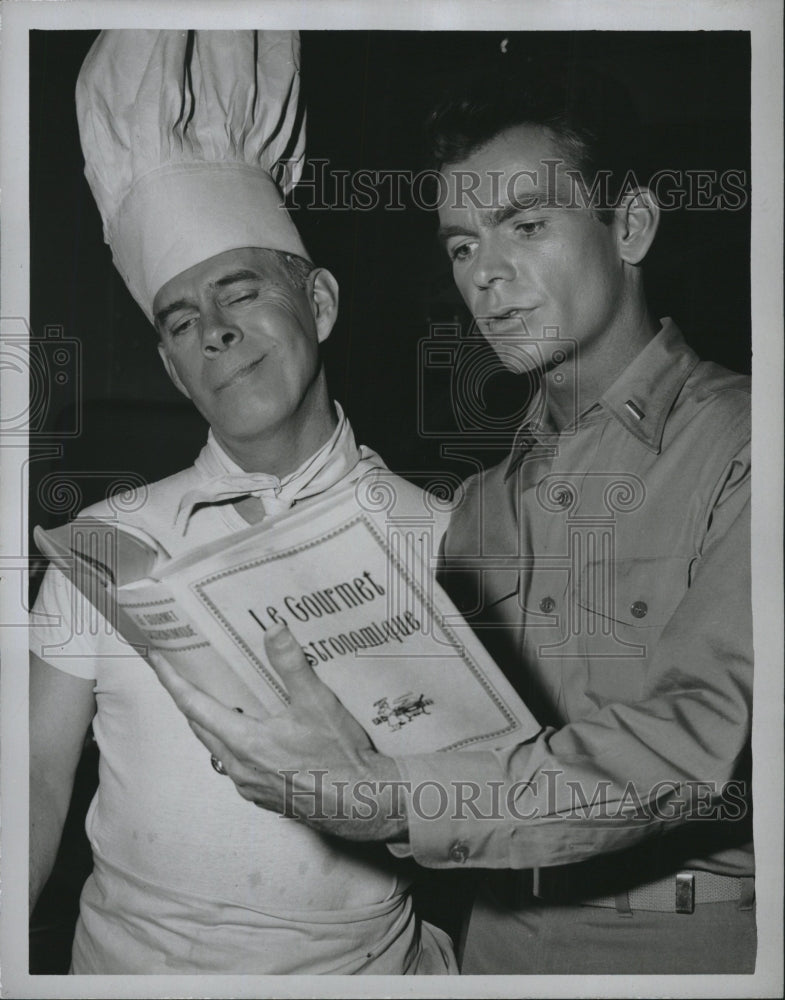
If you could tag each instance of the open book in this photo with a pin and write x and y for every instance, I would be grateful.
(353, 588)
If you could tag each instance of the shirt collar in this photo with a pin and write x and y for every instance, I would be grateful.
(643, 395)
(640, 399)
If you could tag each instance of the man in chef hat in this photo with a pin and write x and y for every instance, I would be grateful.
(189, 140)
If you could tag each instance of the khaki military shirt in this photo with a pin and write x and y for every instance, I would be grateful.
(606, 567)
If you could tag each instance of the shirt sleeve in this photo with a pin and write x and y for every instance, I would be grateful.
(66, 630)
(628, 770)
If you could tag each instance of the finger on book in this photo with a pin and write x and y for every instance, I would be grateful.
(177, 686)
(289, 660)
(195, 704)
(213, 717)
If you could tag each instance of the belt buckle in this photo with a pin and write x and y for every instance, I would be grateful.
(685, 892)
(536, 883)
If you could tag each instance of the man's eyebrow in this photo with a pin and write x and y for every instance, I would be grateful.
(235, 276)
(496, 216)
(524, 203)
(163, 314)
(445, 232)
(224, 281)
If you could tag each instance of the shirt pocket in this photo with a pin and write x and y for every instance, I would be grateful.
(499, 594)
(489, 602)
(619, 611)
(486, 591)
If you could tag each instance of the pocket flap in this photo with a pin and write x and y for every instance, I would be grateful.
(641, 592)
(499, 585)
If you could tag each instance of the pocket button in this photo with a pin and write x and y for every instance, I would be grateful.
(459, 852)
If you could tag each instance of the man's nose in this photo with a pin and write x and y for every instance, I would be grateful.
(492, 264)
(219, 332)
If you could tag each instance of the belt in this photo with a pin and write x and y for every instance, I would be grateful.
(678, 893)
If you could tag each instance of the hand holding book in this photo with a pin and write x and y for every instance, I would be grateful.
(306, 761)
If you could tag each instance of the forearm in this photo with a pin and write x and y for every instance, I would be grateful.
(592, 788)
(61, 708)
(365, 801)
(48, 809)
(627, 770)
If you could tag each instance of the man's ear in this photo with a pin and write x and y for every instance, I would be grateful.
(322, 291)
(171, 371)
(637, 218)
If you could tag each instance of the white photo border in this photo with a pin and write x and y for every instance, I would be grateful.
(763, 19)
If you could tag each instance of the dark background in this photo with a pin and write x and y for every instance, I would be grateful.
(366, 94)
(103, 411)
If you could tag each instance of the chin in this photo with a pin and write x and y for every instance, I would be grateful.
(518, 360)
(239, 426)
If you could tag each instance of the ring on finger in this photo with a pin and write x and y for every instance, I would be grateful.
(217, 765)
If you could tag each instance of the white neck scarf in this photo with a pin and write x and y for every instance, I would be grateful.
(225, 480)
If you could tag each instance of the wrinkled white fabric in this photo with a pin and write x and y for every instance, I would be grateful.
(190, 138)
(188, 876)
(226, 480)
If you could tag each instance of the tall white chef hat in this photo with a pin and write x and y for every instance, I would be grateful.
(190, 139)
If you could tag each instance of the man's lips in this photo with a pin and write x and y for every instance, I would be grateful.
(511, 319)
(239, 373)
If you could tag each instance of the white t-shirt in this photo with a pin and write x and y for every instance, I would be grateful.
(189, 876)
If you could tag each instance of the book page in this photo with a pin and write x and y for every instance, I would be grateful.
(371, 622)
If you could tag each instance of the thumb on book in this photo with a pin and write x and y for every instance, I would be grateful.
(289, 660)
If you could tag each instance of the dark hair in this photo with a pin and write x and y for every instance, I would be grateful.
(588, 115)
(295, 268)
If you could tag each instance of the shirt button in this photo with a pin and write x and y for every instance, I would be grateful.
(639, 609)
(459, 852)
(547, 604)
